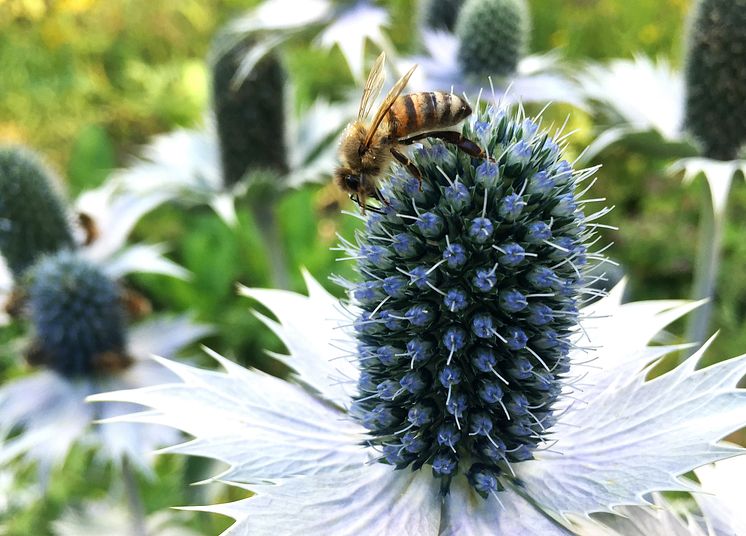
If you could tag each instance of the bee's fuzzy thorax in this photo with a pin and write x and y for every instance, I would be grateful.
(372, 161)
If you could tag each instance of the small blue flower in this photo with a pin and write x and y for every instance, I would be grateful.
(431, 225)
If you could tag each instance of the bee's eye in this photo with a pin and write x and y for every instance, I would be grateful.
(352, 182)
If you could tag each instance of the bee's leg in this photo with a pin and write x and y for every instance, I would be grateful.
(453, 137)
(406, 162)
(365, 206)
(379, 196)
(356, 199)
(373, 209)
(89, 227)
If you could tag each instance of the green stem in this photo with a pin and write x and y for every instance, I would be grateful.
(134, 500)
(706, 270)
(265, 214)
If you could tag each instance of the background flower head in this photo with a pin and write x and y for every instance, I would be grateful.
(65, 288)
(487, 47)
(80, 343)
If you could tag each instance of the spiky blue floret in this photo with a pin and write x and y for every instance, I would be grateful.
(76, 313)
(33, 219)
(469, 294)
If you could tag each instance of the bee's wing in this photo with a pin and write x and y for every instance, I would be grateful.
(386, 104)
(372, 88)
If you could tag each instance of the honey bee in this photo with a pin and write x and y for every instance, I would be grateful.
(366, 150)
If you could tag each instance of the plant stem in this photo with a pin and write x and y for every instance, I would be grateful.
(265, 214)
(134, 500)
(706, 270)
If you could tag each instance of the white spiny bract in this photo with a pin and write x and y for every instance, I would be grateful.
(469, 294)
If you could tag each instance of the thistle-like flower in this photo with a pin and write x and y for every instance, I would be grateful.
(456, 393)
(487, 46)
(35, 220)
(658, 110)
(642, 103)
(469, 292)
(185, 165)
(81, 345)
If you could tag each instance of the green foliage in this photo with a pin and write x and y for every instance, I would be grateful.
(493, 35)
(716, 77)
(92, 158)
(33, 219)
(440, 14)
(250, 112)
(599, 29)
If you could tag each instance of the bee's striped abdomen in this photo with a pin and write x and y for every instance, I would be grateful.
(433, 110)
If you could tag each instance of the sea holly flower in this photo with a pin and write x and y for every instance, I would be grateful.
(80, 344)
(488, 44)
(697, 114)
(649, 113)
(411, 414)
(536, 79)
(35, 220)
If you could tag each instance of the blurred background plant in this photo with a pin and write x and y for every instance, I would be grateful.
(96, 86)
(691, 116)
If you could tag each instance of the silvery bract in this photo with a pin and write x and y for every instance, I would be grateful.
(520, 411)
(642, 97)
(346, 26)
(80, 344)
(184, 165)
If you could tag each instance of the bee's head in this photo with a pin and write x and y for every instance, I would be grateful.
(354, 184)
(347, 180)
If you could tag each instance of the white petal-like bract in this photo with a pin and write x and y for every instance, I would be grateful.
(312, 329)
(369, 499)
(266, 428)
(637, 437)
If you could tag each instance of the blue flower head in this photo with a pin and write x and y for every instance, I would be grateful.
(483, 274)
(77, 317)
